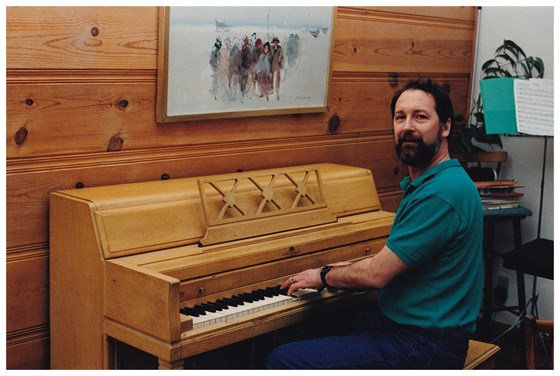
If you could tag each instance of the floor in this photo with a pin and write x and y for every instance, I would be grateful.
(512, 353)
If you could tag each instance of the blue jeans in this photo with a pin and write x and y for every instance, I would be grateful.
(381, 344)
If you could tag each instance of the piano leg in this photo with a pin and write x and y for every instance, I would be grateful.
(164, 364)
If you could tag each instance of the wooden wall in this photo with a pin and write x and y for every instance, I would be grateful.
(81, 99)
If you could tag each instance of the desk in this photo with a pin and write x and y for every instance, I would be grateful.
(491, 217)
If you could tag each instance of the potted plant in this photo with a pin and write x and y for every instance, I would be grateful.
(509, 61)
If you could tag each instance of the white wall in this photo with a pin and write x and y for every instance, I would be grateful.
(532, 28)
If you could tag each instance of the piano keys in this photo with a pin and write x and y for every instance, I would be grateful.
(179, 267)
(228, 309)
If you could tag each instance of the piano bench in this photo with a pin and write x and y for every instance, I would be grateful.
(481, 355)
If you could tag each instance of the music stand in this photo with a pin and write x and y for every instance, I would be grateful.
(524, 107)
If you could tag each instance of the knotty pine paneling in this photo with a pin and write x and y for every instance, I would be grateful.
(81, 94)
(68, 116)
(28, 185)
(28, 350)
(81, 37)
(126, 37)
(27, 288)
(64, 114)
(379, 41)
(363, 101)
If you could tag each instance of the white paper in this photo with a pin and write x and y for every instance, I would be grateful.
(534, 106)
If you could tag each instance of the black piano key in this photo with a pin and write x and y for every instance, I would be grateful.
(222, 304)
(197, 310)
(232, 302)
(211, 307)
(190, 311)
(237, 299)
(268, 292)
(276, 290)
(246, 297)
(219, 305)
(204, 308)
(258, 294)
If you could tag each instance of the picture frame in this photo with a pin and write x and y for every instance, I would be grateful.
(213, 62)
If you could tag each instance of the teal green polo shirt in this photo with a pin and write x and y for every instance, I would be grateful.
(437, 232)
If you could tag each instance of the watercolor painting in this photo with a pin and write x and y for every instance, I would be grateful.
(219, 62)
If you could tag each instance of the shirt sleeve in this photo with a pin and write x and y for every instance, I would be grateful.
(425, 228)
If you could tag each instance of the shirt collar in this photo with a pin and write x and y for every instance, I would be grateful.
(407, 183)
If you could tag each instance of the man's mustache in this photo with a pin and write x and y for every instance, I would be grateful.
(408, 137)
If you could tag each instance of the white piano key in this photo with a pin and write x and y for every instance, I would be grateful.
(304, 292)
(203, 320)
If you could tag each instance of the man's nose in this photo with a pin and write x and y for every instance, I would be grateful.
(408, 124)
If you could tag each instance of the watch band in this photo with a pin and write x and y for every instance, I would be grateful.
(324, 271)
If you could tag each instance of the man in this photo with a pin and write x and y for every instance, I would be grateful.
(276, 65)
(429, 273)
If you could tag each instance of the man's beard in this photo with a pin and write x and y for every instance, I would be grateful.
(418, 154)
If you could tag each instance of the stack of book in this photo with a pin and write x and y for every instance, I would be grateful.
(499, 194)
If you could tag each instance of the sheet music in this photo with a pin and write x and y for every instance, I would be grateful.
(534, 104)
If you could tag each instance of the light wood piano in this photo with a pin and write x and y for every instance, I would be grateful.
(136, 262)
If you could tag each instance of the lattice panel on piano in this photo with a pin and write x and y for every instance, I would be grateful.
(242, 205)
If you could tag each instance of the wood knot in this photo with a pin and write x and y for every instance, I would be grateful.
(123, 103)
(21, 136)
(115, 143)
(94, 31)
(393, 79)
(334, 123)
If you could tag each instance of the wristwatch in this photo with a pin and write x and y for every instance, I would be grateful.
(324, 271)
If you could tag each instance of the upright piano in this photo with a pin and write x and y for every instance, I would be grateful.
(179, 267)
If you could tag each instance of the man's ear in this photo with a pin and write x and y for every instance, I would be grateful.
(446, 128)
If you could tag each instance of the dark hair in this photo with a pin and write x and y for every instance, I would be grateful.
(444, 107)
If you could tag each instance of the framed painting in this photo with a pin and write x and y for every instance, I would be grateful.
(227, 62)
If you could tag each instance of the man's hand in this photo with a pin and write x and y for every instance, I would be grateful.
(310, 278)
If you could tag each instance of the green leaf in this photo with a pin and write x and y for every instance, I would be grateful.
(479, 116)
(488, 63)
(495, 72)
(514, 48)
(526, 70)
(539, 66)
(508, 60)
